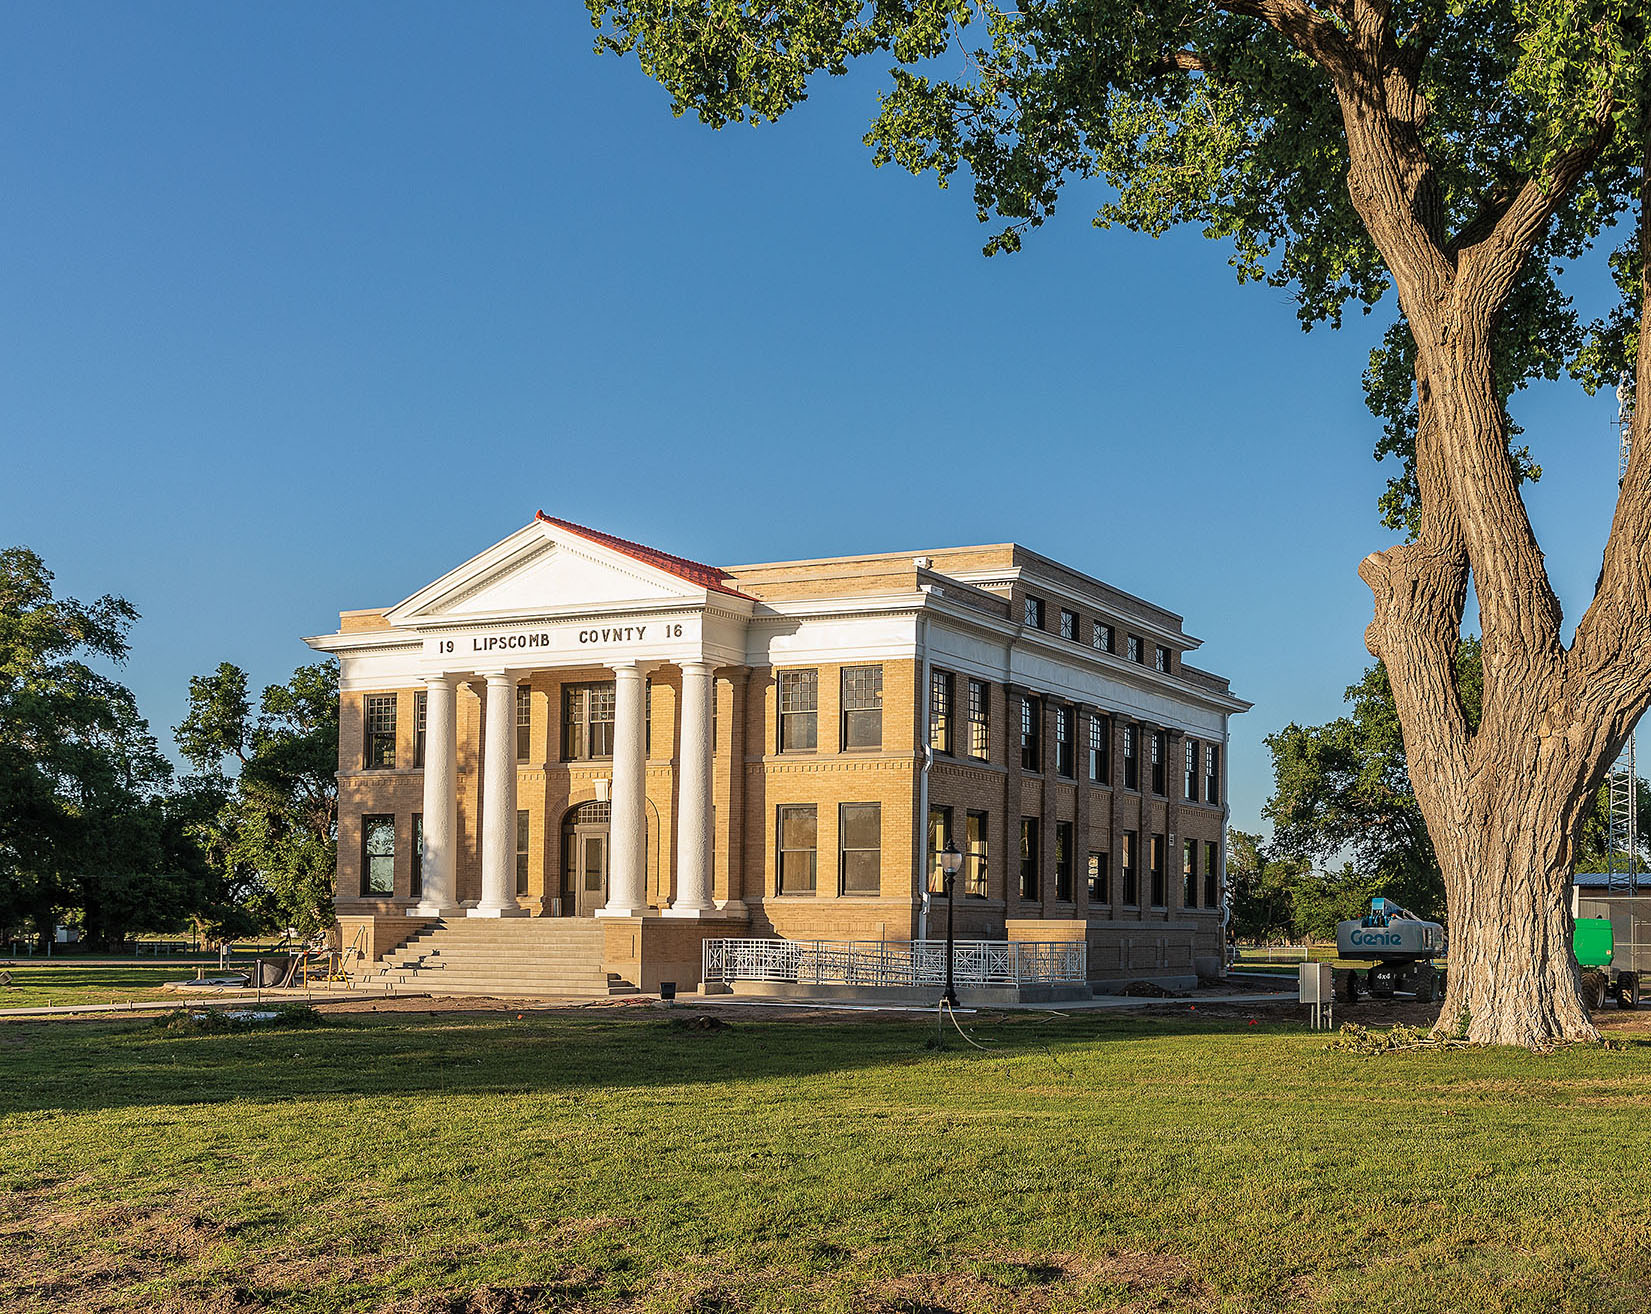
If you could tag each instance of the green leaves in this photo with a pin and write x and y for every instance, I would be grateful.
(1199, 112)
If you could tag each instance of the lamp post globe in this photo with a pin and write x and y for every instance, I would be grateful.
(950, 861)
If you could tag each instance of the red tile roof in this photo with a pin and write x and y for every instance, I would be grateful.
(695, 572)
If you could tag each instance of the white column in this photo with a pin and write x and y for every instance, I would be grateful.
(693, 799)
(441, 799)
(628, 829)
(499, 800)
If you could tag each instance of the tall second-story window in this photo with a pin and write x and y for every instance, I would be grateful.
(799, 711)
(1102, 637)
(940, 711)
(980, 737)
(421, 715)
(1132, 757)
(1100, 750)
(1034, 613)
(1069, 624)
(524, 722)
(1066, 752)
(1189, 873)
(1212, 873)
(379, 714)
(1155, 860)
(1128, 868)
(1031, 733)
(1192, 770)
(1212, 774)
(862, 707)
(587, 721)
(1160, 745)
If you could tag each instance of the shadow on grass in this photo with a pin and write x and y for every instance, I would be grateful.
(81, 1066)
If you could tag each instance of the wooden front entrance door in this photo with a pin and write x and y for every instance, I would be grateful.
(585, 859)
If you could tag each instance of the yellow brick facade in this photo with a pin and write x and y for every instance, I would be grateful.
(961, 612)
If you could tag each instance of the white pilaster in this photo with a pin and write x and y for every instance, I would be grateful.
(441, 799)
(499, 801)
(628, 829)
(693, 822)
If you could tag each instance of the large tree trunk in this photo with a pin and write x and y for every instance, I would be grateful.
(1513, 979)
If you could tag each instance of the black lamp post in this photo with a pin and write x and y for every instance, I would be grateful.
(950, 861)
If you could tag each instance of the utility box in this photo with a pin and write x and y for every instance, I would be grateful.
(1317, 989)
(1317, 984)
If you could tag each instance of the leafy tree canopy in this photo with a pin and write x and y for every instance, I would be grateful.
(273, 839)
(1227, 114)
(88, 823)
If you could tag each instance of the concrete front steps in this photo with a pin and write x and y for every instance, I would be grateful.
(503, 957)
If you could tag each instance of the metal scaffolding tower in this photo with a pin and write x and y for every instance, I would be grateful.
(1621, 847)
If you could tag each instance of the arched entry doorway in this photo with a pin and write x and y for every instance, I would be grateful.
(585, 859)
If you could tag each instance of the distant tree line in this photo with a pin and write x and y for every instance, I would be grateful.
(1346, 825)
(97, 828)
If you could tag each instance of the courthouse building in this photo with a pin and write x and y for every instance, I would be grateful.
(573, 726)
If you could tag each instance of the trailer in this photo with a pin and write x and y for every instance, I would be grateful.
(1400, 947)
(1613, 946)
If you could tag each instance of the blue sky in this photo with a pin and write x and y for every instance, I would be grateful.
(302, 305)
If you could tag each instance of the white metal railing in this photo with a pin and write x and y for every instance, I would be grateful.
(896, 962)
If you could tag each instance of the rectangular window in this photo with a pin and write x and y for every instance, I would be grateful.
(524, 831)
(860, 835)
(1160, 658)
(1029, 875)
(524, 722)
(1212, 874)
(1189, 873)
(1069, 624)
(940, 711)
(1099, 882)
(1160, 747)
(980, 702)
(1102, 638)
(416, 889)
(1132, 757)
(1156, 859)
(587, 721)
(799, 828)
(974, 855)
(380, 715)
(421, 712)
(1132, 648)
(862, 707)
(1128, 859)
(1064, 858)
(1031, 733)
(1034, 613)
(378, 856)
(1212, 774)
(799, 711)
(1065, 749)
(940, 835)
(1100, 750)
(1192, 770)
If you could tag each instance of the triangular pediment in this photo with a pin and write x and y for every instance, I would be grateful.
(537, 571)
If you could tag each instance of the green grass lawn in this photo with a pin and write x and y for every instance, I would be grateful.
(616, 1161)
(33, 984)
